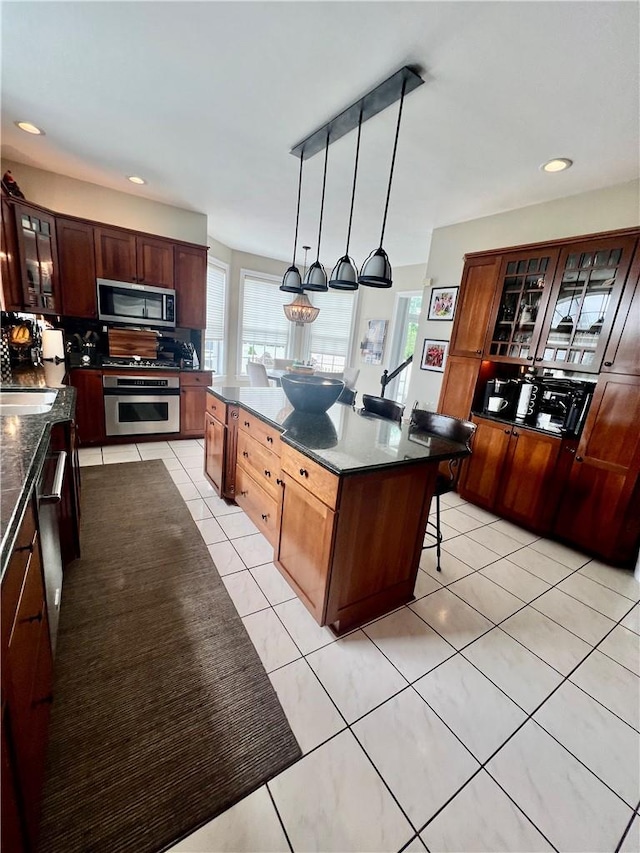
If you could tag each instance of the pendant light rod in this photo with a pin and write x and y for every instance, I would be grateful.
(353, 189)
(393, 163)
(295, 239)
(324, 183)
(374, 102)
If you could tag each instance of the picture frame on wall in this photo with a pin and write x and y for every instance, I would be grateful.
(434, 355)
(442, 305)
(372, 347)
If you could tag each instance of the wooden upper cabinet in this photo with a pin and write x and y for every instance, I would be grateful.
(115, 254)
(77, 268)
(191, 286)
(38, 259)
(9, 262)
(477, 289)
(154, 261)
(623, 351)
(458, 386)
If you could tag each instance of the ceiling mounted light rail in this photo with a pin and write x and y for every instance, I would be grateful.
(376, 271)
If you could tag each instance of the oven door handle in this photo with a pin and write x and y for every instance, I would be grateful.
(141, 392)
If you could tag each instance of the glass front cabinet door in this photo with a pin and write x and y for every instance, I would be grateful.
(586, 292)
(525, 283)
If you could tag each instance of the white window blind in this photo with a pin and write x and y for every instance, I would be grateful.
(265, 329)
(216, 316)
(330, 334)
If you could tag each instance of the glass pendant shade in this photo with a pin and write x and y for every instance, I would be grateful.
(344, 275)
(376, 270)
(292, 282)
(316, 278)
(301, 311)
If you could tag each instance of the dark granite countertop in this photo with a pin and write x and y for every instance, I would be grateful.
(344, 441)
(23, 445)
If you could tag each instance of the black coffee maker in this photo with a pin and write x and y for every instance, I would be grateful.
(501, 398)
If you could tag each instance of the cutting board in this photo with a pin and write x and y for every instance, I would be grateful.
(127, 342)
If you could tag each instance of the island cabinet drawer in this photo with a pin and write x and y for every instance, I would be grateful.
(261, 508)
(216, 408)
(266, 435)
(320, 482)
(263, 465)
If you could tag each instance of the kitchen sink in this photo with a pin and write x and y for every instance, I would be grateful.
(27, 401)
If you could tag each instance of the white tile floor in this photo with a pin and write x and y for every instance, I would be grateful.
(481, 717)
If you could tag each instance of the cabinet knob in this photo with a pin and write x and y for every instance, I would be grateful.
(478, 352)
(515, 433)
(538, 358)
(608, 364)
(247, 424)
(245, 454)
(304, 472)
(265, 517)
(579, 459)
(267, 473)
(508, 431)
(269, 439)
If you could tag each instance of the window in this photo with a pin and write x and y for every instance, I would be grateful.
(264, 328)
(329, 337)
(214, 356)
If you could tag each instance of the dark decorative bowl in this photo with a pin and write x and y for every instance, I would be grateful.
(317, 432)
(313, 394)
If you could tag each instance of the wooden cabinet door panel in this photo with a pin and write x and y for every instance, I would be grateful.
(527, 493)
(623, 351)
(482, 471)
(12, 299)
(611, 436)
(115, 254)
(191, 287)
(154, 261)
(89, 405)
(193, 404)
(304, 547)
(76, 257)
(215, 447)
(477, 290)
(458, 386)
(36, 232)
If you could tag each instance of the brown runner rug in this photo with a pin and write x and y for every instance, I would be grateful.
(163, 714)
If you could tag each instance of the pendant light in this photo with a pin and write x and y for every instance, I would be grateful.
(301, 311)
(345, 274)
(316, 277)
(292, 282)
(376, 270)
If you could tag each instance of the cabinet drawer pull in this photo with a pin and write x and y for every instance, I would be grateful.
(267, 473)
(478, 351)
(571, 450)
(24, 548)
(279, 482)
(265, 517)
(304, 472)
(46, 700)
(36, 618)
(579, 459)
(529, 358)
(538, 358)
(245, 454)
(270, 439)
(608, 364)
(244, 492)
(247, 424)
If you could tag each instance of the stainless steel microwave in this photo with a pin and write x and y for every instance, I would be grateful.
(136, 304)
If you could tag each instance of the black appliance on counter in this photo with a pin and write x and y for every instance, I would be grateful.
(180, 353)
(501, 398)
(560, 405)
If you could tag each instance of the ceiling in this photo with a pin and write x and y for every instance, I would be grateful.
(206, 99)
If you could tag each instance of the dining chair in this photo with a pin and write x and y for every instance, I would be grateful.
(455, 429)
(258, 375)
(382, 408)
(347, 396)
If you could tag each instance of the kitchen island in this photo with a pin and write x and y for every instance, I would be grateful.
(343, 497)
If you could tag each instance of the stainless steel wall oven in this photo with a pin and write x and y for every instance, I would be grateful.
(141, 405)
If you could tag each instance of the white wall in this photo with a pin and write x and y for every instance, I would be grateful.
(90, 201)
(599, 210)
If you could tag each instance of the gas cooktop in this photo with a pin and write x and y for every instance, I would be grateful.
(135, 361)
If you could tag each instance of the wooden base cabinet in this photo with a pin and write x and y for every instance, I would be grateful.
(193, 402)
(350, 546)
(221, 430)
(514, 472)
(600, 509)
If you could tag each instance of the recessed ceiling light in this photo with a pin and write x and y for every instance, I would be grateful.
(559, 164)
(29, 128)
(136, 180)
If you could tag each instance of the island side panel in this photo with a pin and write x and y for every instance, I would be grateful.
(382, 517)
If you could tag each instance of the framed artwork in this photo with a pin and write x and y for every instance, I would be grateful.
(434, 354)
(372, 347)
(443, 303)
